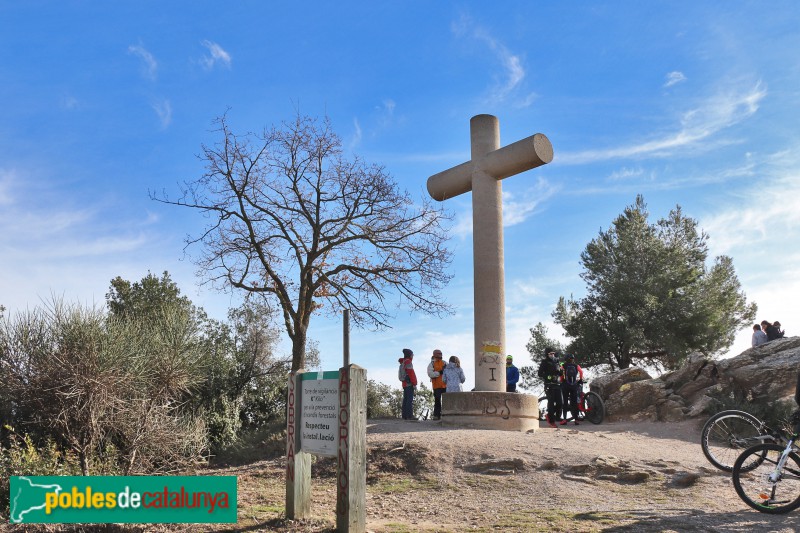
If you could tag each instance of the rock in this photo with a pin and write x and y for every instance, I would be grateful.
(633, 477)
(634, 398)
(610, 383)
(700, 406)
(577, 469)
(650, 414)
(548, 465)
(671, 411)
(685, 479)
(497, 466)
(766, 372)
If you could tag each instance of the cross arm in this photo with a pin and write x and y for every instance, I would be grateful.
(531, 152)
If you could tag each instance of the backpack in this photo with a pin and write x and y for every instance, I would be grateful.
(570, 373)
(401, 372)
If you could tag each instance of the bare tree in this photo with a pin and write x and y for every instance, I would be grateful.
(293, 220)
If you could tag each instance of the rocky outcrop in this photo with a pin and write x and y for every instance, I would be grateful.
(768, 371)
(610, 383)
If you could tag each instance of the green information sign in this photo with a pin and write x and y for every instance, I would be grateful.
(122, 499)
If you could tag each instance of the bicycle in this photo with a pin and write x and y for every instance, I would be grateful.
(767, 476)
(727, 433)
(590, 407)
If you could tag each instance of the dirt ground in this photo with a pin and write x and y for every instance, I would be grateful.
(614, 477)
(625, 476)
(425, 476)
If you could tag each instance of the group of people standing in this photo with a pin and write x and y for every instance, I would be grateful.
(562, 385)
(445, 377)
(765, 332)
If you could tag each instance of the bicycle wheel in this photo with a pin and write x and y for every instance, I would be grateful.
(726, 434)
(765, 487)
(543, 407)
(594, 409)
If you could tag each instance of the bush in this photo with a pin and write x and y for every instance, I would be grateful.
(21, 457)
(268, 442)
(423, 402)
(776, 413)
(383, 401)
(90, 383)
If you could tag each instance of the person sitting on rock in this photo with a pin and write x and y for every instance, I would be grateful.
(759, 337)
(571, 381)
(550, 372)
(777, 326)
(771, 331)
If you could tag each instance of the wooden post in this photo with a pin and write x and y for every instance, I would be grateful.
(298, 464)
(351, 470)
(346, 338)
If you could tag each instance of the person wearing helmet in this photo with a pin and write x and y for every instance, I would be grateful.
(549, 372)
(512, 374)
(571, 380)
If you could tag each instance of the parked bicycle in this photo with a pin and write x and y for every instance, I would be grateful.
(590, 407)
(727, 433)
(767, 476)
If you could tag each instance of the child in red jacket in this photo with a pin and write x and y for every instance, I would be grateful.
(409, 381)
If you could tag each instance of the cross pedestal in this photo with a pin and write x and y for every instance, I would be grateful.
(489, 164)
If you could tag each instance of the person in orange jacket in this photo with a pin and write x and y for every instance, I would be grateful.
(435, 369)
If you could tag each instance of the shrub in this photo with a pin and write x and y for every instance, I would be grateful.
(774, 412)
(21, 457)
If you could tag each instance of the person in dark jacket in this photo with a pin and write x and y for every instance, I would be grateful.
(771, 331)
(512, 374)
(550, 372)
(571, 381)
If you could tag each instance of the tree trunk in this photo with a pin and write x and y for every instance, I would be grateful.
(299, 347)
(623, 360)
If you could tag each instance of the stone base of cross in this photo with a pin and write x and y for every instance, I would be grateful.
(489, 406)
(482, 175)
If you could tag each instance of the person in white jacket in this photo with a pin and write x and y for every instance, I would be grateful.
(453, 375)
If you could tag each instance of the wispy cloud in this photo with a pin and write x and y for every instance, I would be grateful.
(216, 55)
(355, 140)
(765, 218)
(696, 125)
(517, 207)
(163, 109)
(513, 71)
(380, 119)
(674, 78)
(758, 229)
(149, 63)
(626, 174)
(386, 111)
(527, 101)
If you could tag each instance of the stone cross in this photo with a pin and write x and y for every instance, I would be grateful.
(481, 175)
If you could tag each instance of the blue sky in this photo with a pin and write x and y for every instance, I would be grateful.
(690, 103)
